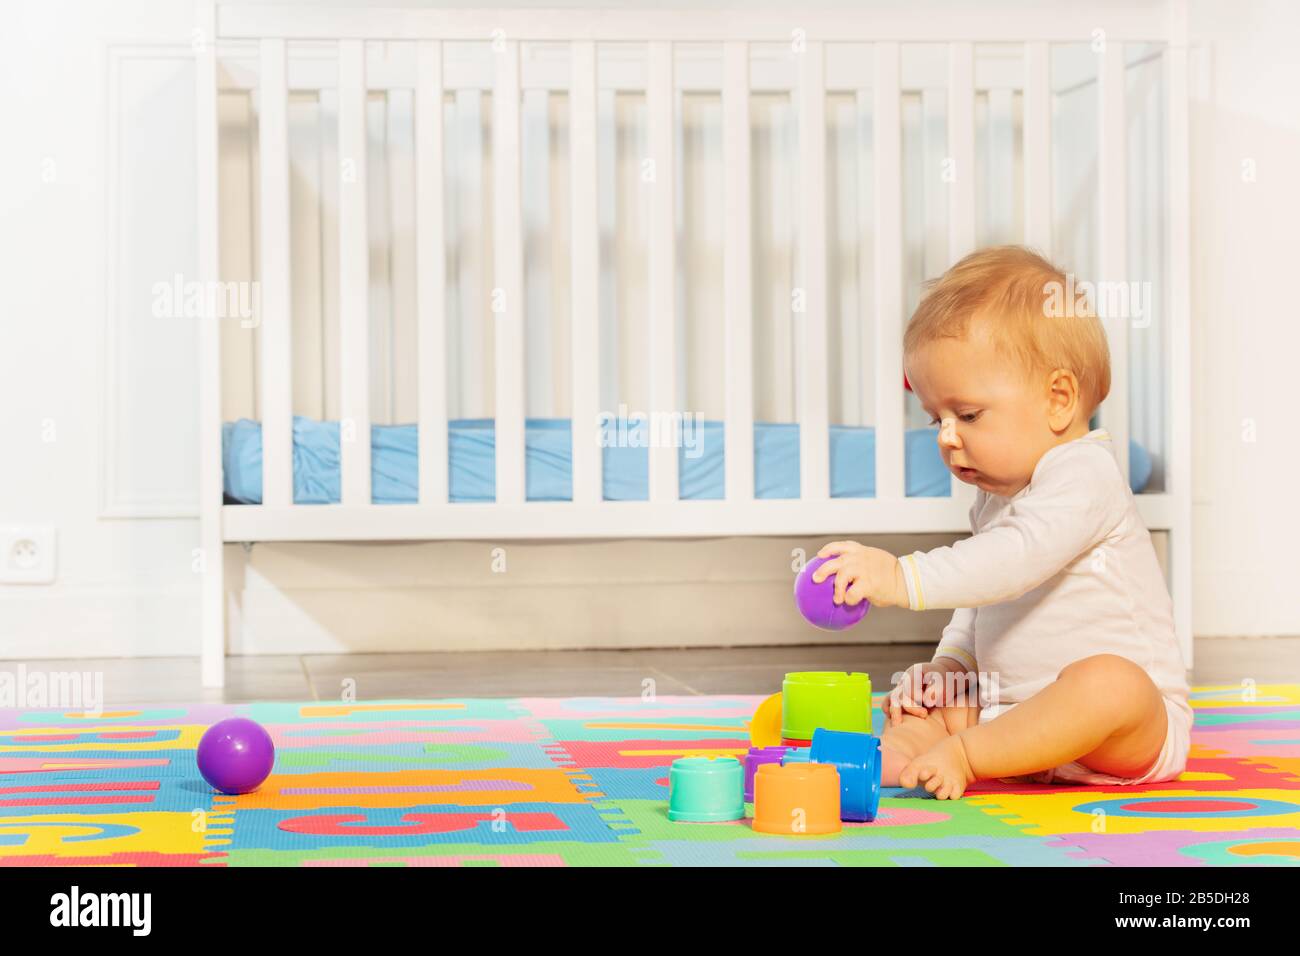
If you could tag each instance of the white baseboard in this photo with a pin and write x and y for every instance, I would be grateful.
(48, 625)
(663, 614)
(336, 599)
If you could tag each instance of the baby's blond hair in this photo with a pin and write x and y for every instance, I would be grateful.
(1019, 299)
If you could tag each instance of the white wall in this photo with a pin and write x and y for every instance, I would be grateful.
(123, 586)
(80, 353)
(1245, 248)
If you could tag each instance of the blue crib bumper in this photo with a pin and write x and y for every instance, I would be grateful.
(394, 462)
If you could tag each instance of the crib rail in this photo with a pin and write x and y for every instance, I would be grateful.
(510, 516)
(887, 20)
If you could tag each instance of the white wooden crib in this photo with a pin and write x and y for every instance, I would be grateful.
(813, 36)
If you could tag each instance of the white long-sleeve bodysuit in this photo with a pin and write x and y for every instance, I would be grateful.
(1062, 570)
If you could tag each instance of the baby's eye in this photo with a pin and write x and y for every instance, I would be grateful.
(968, 418)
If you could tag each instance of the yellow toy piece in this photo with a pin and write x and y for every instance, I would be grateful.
(765, 727)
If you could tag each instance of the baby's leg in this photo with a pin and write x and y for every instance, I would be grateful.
(1103, 711)
(901, 743)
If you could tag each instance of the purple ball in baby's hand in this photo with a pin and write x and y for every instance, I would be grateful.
(816, 602)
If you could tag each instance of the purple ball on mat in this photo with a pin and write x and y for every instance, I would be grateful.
(236, 755)
(816, 602)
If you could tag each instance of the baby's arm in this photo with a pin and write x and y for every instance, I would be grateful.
(1072, 505)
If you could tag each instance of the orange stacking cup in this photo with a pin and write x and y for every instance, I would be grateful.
(799, 799)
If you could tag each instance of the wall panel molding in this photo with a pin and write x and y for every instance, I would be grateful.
(147, 461)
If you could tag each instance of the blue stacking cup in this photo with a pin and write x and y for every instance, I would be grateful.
(857, 757)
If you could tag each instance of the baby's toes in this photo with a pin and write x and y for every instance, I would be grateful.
(911, 775)
(907, 777)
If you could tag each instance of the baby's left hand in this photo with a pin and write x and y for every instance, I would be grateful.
(862, 572)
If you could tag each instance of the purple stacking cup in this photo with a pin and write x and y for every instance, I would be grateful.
(756, 757)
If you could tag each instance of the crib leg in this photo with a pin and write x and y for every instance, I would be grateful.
(212, 650)
(1180, 578)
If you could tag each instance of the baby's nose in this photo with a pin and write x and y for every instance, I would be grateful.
(948, 431)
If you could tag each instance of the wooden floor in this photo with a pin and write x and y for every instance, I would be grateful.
(755, 670)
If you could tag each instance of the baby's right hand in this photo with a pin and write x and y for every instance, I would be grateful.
(908, 694)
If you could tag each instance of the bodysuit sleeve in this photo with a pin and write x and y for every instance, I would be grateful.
(958, 639)
(1074, 501)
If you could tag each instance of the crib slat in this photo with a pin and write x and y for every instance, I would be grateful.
(1038, 147)
(585, 276)
(430, 275)
(961, 149)
(1000, 163)
(1179, 338)
(662, 272)
(468, 145)
(207, 215)
(508, 276)
(737, 267)
(961, 211)
(1112, 168)
(866, 271)
(354, 278)
(814, 437)
(275, 318)
(889, 273)
(935, 158)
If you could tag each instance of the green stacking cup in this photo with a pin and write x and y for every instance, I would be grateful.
(706, 790)
(830, 700)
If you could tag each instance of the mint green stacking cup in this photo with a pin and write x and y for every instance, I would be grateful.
(706, 790)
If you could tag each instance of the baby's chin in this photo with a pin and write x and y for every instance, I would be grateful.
(996, 486)
(979, 479)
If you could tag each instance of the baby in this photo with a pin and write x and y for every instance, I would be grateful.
(1060, 662)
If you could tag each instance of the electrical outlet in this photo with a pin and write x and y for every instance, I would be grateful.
(26, 555)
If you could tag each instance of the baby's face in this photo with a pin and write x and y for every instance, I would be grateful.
(993, 425)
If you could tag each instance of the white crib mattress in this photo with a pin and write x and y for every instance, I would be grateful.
(394, 462)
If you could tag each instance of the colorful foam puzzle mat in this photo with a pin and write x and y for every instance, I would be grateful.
(584, 781)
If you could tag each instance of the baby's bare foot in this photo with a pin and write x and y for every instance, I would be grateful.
(943, 769)
(892, 762)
